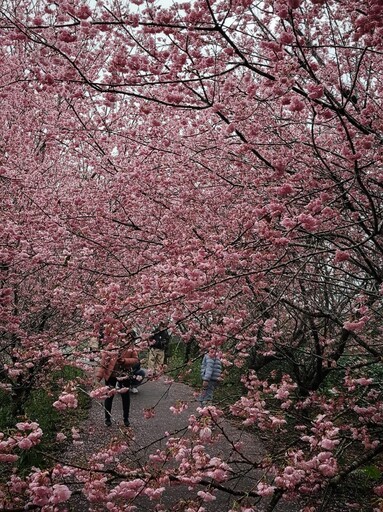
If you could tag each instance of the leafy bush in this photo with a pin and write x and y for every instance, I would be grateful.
(180, 369)
(39, 408)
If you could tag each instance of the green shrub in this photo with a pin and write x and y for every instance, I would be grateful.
(231, 388)
(185, 371)
(38, 407)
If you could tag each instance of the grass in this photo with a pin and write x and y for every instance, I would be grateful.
(38, 408)
(181, 370)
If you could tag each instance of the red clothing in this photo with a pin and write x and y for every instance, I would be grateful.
(125, 358)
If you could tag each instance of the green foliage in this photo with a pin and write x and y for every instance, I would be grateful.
(38, 408)
(180, 369)
(231, 388)
(68, 374)
(375, 371)
(372, 472)
(357, 487)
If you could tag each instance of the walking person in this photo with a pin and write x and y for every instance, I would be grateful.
(116, 367)
(211, 371)
(159, 342)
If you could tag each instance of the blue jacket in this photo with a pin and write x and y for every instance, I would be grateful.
(211, 368)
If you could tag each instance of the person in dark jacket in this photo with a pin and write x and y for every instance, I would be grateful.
(211, 371)
(158, 342)
(116, 367)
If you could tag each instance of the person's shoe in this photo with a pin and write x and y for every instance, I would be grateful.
(108, 423)
(127, 423)
(134, 391)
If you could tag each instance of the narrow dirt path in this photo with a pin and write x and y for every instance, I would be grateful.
(147, 435)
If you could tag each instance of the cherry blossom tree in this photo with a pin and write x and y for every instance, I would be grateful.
(218, 164)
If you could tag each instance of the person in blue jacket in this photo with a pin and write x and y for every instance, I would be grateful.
(211, 371)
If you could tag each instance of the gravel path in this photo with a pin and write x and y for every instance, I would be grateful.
(147, 435)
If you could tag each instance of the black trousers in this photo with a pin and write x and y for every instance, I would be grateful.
(125, 397)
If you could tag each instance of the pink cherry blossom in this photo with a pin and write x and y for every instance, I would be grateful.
(25, 443)
(205, 434)
(206, 496)
(149, 413)
(217, 165)
(60, 494)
